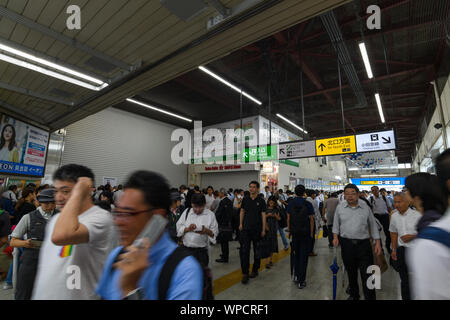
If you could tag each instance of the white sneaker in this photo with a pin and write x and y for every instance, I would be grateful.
(7, 286)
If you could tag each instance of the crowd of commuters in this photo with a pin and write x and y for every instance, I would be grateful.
(71, 226)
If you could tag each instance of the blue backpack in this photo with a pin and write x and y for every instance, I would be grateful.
(435, 234)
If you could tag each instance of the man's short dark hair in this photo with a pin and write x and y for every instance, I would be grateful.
(196, 188)
(299, 190)
(198, 199)
(443, 169)
(72, 172)
(310, 192)
(154, 187)
(256, 183)
(183, 187)
(351, 186)
(12, 187)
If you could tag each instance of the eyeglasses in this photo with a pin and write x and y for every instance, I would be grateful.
(118, 214)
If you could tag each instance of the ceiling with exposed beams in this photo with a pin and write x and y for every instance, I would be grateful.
(408, 52)
(133, 45)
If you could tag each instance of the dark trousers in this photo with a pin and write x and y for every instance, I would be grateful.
(26, 274)
(235, 221)
(301, 246)
(357, 254)
(330, 235)
(246, 238)
(403, 271)
(225, 249)
(201, 254)
(384, 220)
(313, 240)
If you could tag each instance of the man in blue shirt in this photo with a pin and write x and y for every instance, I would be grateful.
(300, 223)
(132, 273)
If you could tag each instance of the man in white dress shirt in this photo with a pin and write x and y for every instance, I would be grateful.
(403, 231)
(197, 226)
(209, 197)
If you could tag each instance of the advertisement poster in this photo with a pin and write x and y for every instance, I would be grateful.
(110, 180)
(23, 148)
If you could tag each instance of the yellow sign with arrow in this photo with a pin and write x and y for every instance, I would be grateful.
(334, 146)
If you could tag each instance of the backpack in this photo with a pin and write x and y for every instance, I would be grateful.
(168, 269)
(435, 234)
(299, 221)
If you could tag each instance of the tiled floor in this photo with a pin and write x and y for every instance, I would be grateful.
(276, 284)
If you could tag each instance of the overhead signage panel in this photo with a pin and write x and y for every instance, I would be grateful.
(334, 146)
(295, 150)
(376, 141)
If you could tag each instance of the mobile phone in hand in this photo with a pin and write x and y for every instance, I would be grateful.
(153, 230)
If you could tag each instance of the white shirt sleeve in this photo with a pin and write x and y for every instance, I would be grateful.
(392, 225)
(22, 227)
(100, 227)
(214, 227)
(181, 224)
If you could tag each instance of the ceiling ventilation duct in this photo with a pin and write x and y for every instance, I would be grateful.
(332, 27)
(185, 10)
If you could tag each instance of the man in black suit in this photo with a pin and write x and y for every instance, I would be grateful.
(224, 214)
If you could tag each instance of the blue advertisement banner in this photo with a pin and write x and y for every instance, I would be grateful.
(23, 169)
(397, 181)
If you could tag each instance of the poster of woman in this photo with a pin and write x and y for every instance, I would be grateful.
(8, 145)
(23, 147)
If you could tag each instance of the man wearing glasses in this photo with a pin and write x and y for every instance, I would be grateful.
(134, 273)
(77, 241)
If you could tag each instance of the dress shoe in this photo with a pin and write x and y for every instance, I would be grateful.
(352, 298)
(253, 275)
(302, 285)
(222, 260)
(245, 279)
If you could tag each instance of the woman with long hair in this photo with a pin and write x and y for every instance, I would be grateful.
(8, 149)
(427, 196)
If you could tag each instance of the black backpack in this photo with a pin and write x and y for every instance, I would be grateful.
(165, 277)
(299, 220)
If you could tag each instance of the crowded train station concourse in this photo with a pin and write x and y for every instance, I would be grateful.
(240, 150)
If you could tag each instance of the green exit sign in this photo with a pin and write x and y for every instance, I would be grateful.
(256, 154)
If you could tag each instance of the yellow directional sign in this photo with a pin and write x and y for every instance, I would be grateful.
(333, 146)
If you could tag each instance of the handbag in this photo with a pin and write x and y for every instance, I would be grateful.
(325, 231)
(225, 234)
(379, 259)
(263, 249)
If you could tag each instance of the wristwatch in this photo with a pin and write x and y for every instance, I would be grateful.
(136, 294)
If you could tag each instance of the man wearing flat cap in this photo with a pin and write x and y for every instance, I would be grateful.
(28, 235)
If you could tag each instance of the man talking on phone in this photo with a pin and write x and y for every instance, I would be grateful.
(135, 273)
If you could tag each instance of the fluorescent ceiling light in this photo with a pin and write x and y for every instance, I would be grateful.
(291, 123)
(157, 109)
(362, 48)
(49, 64)
(50, 73)
(380, 108)
(212, 74)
